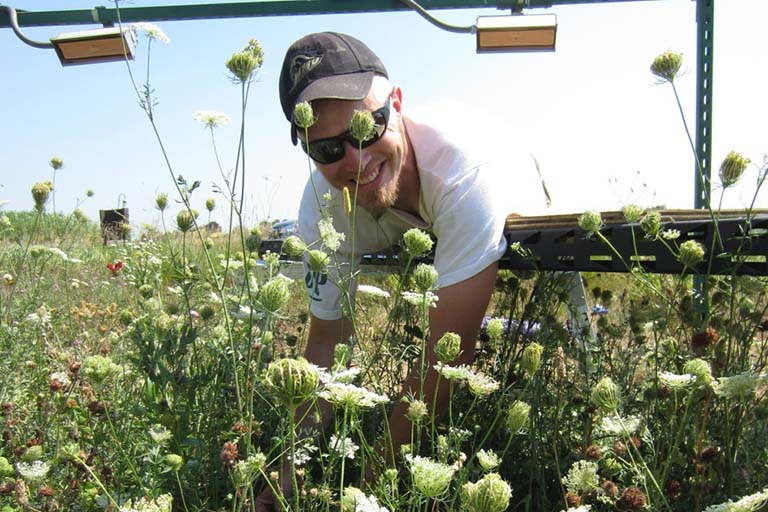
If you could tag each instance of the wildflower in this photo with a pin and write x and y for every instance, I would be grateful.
(343, 447)
(372, 290)
(243, 64)
(430, 478)
(210, 204)
(99, 368)
(582, 477)
(651, 224)
(417, 242)
(426, 299)
(9, 280)
(59, 379)
(749, 503)
(737, 387)
(489, 494)
(152, 31)
(318, 260)
(580, 508)
(274, 295)
(210, 118)
(590, 221)
(33, 471)
(454, 373)
(355, 500)
(615, 425)
(417, 410)
(162, 503)
(293, 381)
(704, 339)
(700, 370)
(632, 213)
(691, 253)
(56, 162)
(488, 460)
(605, 395)
(293, 246)
(517, 416)
(303, 116)
(670, 234)
(448, 347)
(246, 471)
(482, 385)
(732, 168)
(425, 277)
(531, 359)
(41, 191)
(342, 354)
(676, 381)
(185, 220)
(331, 238)
(495, 328)
(362, 125)
(115, 267)
(593, 452)
(161, 201)
(228, 454)
(667, 65)
(253, 241)
(160, 435)
(174, 461)
(631, 500)
(351, 396)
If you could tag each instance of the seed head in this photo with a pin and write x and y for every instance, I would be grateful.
(605, 395)
(495, 328)
(431, 478)
(57, 163)
(531, 360)
(631, 500)
(185, 220)
(41, 191)
(229, 453)
(417, 242)
(651, 224)
(243, 64)
(448, 347)
(362, 125)
(294, 247)
(490, 494)
(318, 260)
(293, 381)
(700, 369)
(161, 201)
(732, 168)
(667, 65)
(691, 253)
(303, 115)
(274, 295)
(425, 277)
(417, 410)
(632, 213)
(517, 416)
(590, 221)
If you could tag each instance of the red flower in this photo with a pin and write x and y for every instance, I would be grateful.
(115, 268)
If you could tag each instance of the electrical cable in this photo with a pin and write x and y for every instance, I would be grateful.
(15, 26)
(439, 24)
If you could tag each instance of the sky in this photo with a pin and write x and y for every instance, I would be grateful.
(604, 132)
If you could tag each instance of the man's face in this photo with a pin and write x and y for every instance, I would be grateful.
(375, 171)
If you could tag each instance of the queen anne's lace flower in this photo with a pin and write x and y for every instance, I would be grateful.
(372, 290)
(737, 387)
(582, 477)
(454, 373)
(331, 238)
(427, 299)
(482, 385)
(152, 31)
(431, 478)
(343, 447)
(33, 471)
(614, 425)
(211, 119)
(349, 395)
(750, 503)
(676, 381)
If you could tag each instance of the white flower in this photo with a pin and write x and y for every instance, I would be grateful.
(349, 395)
(372, 290)
(345, 376)
(454, 373)
(427, 299)
(431, 478)
(737, 387)
(749, 503)
(62, 377)
(61, 254)
(331, 238)
(304, 454)
(482, 385)
(670, 234)
(211, 118)
(582, 477)
(343, 447)
(152, 31)
(33, 472)
(676, 381)
(488, 460)
(580, 508)
(614, 425)
(163, 503)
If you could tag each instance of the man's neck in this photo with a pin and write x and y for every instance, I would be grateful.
(410, 183)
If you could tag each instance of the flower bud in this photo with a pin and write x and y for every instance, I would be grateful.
(318, 260)
(417, 410)
(490, 494)
(700, 369)
(161, 201)
(691, 253)
(531, 360)
(517, 416)
(253, 242)
(210, 204)
(56, 162)
(274, 295)
(294, 247)
(425, 277)
(342, 355)
(293, 381)
(303, 116)
(605, 395)
(651, 224)
(41, 191)
(732, 168)
(174, 461)
(590, 221)
(417, 242)
(448, 347)
(185, 220)
(362, 125)
(495, 328)
(488, 460)
(432, 479)
(632, 213)
(244, 64)
(667, 65)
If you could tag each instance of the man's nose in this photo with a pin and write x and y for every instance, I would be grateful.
(354, 157)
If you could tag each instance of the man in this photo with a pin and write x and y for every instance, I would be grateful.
(410, 174)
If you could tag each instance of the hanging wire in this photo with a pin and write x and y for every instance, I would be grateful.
(15, 26)
(439, 24)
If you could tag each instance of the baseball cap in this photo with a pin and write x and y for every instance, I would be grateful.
(326, 65)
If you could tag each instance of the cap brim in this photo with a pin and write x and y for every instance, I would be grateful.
(352, 86)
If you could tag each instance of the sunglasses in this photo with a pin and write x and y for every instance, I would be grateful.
(331, 149)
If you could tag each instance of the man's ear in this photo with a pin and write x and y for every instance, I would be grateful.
(397, 98)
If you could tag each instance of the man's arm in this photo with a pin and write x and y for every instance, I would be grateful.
(460, 309)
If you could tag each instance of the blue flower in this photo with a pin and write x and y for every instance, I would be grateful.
(599, 309)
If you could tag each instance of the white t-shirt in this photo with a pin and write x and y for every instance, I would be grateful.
(465, 198)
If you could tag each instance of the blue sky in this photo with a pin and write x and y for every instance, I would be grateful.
(603, 131)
